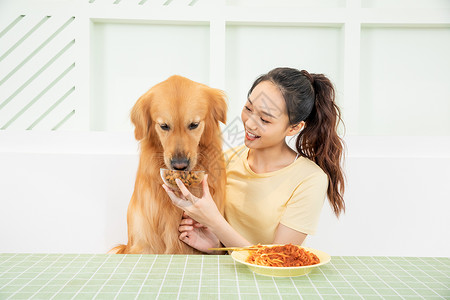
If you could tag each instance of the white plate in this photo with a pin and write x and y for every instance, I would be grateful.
(241, 256)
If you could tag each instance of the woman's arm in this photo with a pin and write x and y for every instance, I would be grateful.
(286, 235)
(204, 211)
(227, 235)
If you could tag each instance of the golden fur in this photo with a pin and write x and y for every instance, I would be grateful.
(178, 103)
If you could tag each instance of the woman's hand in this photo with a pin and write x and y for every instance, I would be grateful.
(203, 210)
(197, 236)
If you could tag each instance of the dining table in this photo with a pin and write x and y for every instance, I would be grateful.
(164, 276)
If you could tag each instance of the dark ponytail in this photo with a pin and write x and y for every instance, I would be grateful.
(320, 142)
(311, 98)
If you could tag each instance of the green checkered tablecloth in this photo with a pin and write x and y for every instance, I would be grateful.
(102, 276)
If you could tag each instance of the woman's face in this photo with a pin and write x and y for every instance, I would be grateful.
(265, 117)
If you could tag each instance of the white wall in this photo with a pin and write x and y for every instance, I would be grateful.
(65, 183)
(68, 192)
(65, 192)
(396, 203)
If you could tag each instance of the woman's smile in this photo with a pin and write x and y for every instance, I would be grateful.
(250, 136)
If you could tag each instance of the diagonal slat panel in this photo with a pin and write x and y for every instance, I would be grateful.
(67, 102)
(34, 101)
(23, 37)
(64, 115)
(64, 121)
(154, 3)
(21, 112)
(12, 36)
(193, 2)
(36, 74)
(38, 123)
(45, 105)
(124, 3)
(102, 2)
(10, 25)
(25, 48)
(6, 72)
(29, 57)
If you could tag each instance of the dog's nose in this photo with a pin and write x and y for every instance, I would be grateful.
(179, 163)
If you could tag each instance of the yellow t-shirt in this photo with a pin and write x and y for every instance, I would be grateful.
(257, 203)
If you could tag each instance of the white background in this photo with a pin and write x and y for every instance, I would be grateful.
(67, 190)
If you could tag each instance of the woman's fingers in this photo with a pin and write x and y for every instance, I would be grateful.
(205, 185)
(185, 228)
(184, 237)
(183, 189)
(175, 200)
(187, 221)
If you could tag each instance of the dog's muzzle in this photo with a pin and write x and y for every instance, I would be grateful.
(179, 163)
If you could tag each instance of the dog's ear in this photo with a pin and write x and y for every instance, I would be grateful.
(218, 105)
(140, 116)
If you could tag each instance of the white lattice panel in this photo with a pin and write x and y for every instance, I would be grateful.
(37, 65)
(148, 3)
(49, 67)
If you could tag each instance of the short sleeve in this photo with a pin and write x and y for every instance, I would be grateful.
(303, 209)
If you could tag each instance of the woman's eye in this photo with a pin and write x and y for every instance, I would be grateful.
(164, 127)
(248, 109)
(264, 121)
(193, 126)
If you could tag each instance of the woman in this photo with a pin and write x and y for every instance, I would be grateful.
(274, 194)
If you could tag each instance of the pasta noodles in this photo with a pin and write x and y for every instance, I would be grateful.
(281, 256)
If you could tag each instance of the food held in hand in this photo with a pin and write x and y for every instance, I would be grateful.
(188, 178)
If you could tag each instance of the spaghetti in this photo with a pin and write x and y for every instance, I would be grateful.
(281, 256)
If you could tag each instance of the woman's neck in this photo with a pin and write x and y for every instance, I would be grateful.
(270, 159)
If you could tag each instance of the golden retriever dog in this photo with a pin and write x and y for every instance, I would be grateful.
(177, 124)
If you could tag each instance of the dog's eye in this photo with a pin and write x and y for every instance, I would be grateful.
(193, 126)
(164, 127)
